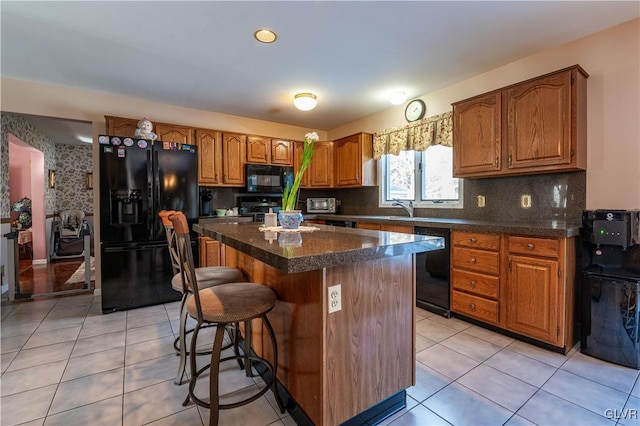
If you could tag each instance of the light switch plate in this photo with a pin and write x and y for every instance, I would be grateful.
(481, 201)
(525, 201)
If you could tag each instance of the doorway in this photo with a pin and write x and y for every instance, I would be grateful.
(40, 148)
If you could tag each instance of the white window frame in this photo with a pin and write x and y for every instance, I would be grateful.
(383, 182)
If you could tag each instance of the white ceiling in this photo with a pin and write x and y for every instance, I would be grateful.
(202, 54)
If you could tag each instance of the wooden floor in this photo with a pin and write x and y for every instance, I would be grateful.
(49, 278)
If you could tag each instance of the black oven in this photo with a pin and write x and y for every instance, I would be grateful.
(268, 179)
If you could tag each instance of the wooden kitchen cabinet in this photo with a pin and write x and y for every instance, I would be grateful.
(403, 229)
(209, 144)
(319, 174)
(475, 275)
(536, 126)
(353, 161)
(522, 284)
(173, 133)
(539, 289)
(258, 149)
(233, 159)
(281, 152)
(263, 150)
(476, 131)
(119, 126)
(210, 253)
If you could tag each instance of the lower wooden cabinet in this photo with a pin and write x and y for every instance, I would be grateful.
(404, 229)
(522, 284)
(539, 291)
(475, 275)
(210, 253)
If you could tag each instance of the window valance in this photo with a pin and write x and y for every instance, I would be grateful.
(416, 136)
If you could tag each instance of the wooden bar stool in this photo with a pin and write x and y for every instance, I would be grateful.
(208, 276)
(223, 305)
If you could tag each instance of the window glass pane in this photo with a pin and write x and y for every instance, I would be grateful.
(438, 182)
(401, 182)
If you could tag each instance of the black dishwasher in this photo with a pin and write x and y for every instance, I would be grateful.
(432, 274)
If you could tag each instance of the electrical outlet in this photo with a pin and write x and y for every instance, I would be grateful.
(481, 201)
(335, 298)
(525, 201)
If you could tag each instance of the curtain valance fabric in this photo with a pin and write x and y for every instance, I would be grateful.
(416, 136)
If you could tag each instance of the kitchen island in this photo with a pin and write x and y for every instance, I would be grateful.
(344, 319)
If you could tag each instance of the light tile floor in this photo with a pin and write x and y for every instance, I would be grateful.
(64, 363)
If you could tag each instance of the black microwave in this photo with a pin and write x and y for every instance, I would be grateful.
(264, 179)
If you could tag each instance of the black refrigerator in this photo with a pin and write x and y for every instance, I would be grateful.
(138, 178)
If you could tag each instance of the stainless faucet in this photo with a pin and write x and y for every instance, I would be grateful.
(408, 206)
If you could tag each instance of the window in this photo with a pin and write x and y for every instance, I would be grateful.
(422, 177)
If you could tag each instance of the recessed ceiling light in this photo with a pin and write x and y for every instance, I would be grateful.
(85, 139)
(305, 101)
(264, 35)
(397, 97)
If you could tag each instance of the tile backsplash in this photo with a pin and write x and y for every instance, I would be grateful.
(553, 196)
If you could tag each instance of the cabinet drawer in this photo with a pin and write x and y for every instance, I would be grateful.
(537, 246)
(487, 262)
(482, 285)
(476, 240)
(474, 306)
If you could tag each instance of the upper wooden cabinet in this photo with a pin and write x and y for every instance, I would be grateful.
(173, 133)
(209, 156)
(539, 125)
(233, 159)
(269, 151)
(477, 136)
(353, 161)
(281, 152)
(320, 171)
(118, 126)
(258, 149)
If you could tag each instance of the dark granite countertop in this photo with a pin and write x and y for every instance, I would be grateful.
(326, 247)
(548, 228)
(224, 219)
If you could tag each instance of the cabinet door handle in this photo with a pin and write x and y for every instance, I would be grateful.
(530, 246)
(472, 283)
(472, 306)
(473, 260)
(473, 240)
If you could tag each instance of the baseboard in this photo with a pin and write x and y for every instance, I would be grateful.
(39, 261)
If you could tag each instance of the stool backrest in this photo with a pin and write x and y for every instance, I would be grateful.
(168, 229)
(185, 256)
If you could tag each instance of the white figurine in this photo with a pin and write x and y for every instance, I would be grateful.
(144, 130)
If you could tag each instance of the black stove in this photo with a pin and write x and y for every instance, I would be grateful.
(257, 205)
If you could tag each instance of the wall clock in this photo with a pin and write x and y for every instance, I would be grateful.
(415, 110)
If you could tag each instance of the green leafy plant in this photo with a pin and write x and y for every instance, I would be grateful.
(290, 195)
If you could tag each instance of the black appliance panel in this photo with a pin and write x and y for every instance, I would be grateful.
(610, 258)
(137, 275)
(176, 177)
(341, 223)
(268, 179)
(433, 274)
(124, 194)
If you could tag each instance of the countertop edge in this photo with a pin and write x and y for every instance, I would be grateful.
(323, 260)
(550, 228)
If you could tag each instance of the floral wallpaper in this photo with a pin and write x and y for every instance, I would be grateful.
(20, 128)
(73, 163)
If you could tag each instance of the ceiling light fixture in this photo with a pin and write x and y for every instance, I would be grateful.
(264, 35)
(85, 139)
(398, 97)
(305, 101)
